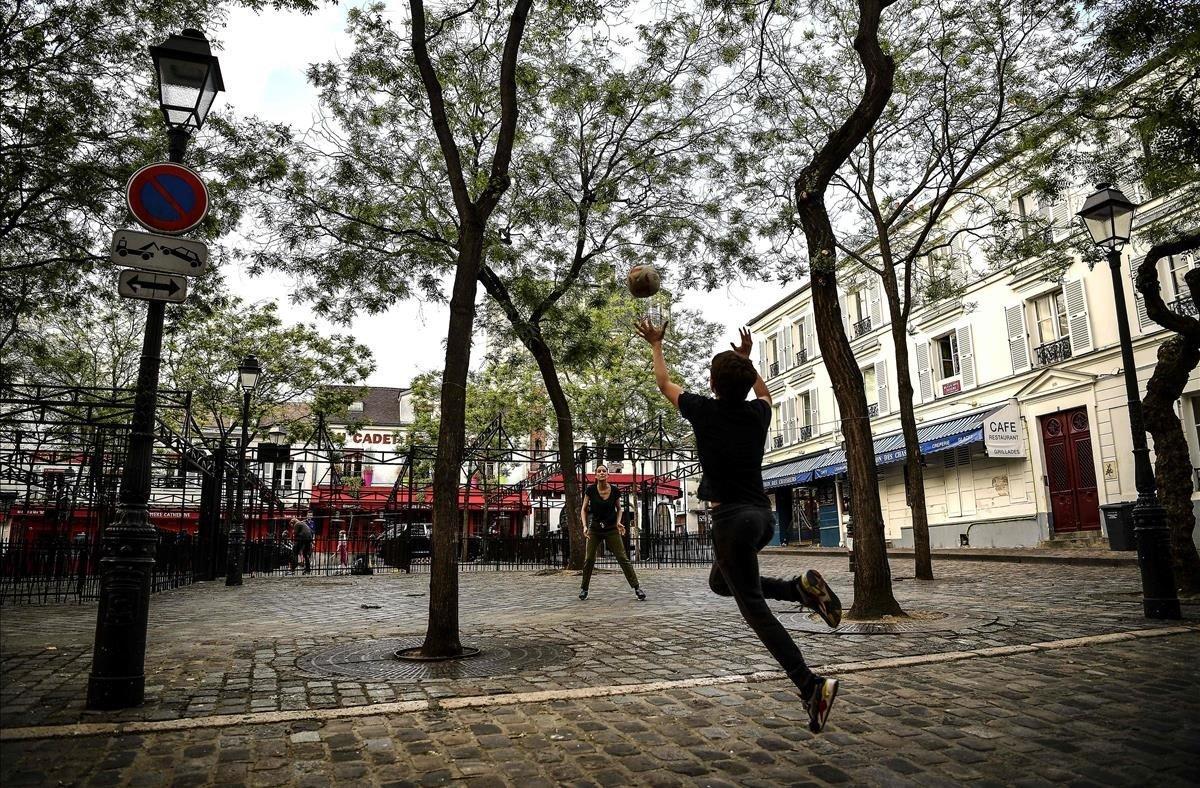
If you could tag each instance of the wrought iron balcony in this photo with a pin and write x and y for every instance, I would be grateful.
(862, 327)
(801, 356)
(805, 433)
(1053, 352)
(1184, 305)
(777, 441)
(774, 368)
(873, 409)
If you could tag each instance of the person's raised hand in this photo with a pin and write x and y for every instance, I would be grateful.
(743, 348)
(650, 332)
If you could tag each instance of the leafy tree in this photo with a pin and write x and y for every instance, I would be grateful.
(975, 83)
(778, 42)
(78, 115)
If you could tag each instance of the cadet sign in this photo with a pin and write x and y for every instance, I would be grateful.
(152, 287)
(163, 253)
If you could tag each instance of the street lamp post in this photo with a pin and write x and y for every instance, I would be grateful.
(276, 437)
(1108, 217)
(248, 374)
(189, 79)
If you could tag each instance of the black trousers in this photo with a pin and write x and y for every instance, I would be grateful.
(302, 549)
(739, 531)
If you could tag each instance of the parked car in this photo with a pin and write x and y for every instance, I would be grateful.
(400, 543)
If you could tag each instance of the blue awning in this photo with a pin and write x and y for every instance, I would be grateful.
(889, 449)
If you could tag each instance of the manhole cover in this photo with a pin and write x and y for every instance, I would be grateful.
(921, 623)
(376, 660)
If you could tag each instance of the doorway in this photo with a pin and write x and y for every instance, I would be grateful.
(1071, 471)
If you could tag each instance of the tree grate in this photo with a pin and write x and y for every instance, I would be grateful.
(376, 660)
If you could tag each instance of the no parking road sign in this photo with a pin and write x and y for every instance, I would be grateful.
(168, 198)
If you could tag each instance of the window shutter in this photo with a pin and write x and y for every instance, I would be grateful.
(1077, 316)
(1018, 344)
(762, 360)
(876, 292)
(814, 417)
(1139, 303)
(788, 357)
(881, 381)
(924, 373)
(966, 357)
(810, 337)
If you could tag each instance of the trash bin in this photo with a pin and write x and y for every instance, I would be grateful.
(1118, 520)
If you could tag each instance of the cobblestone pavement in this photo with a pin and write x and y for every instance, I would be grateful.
(1074, 716)
(217, 650)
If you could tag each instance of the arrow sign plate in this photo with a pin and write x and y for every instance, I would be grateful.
(152, 287)
(159, 253)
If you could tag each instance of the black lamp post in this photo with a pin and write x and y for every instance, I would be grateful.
(187, 74)
(248, 374)
(276, 436)
(1108, 217)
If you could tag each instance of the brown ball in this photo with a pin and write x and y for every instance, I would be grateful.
(643, 281)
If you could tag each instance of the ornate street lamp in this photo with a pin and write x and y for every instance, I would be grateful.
(248, 373)
(118, 678)
(189, 78)
(1108, 217)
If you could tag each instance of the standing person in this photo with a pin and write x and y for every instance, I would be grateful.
(302, 545)
(602, 501)
(730, 435)
(343, 550)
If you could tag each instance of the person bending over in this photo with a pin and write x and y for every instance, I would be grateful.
(730, 434)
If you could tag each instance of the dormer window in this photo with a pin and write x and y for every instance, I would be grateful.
(356, 407)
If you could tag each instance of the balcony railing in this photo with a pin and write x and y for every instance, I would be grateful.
(801, 356)
(774, 368)
(862, 327)
(1184, 305)
(777, 441)
(1053, 352)
(873, 409)
(805, 433)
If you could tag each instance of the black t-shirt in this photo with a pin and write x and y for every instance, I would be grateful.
(729, 439)
(602, 512)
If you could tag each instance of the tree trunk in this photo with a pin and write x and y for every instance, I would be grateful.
(914, 481)
(566, 445)
(441, 637)
(873, 579)
(1177, 357)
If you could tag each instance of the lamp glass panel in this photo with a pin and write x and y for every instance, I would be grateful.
(1100, 228)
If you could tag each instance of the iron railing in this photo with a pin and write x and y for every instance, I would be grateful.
(873, 410)
(862, 327)
(1053, 352)
(774, 368)
(801, 356)
(1184, 305)
(777, 442)
(806, 432)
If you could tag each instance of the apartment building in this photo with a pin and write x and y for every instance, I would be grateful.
(1019, 396)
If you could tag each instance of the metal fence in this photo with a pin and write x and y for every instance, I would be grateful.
(68, 571)
(63, 570)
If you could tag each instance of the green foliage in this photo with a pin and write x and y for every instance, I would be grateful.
(79, 114)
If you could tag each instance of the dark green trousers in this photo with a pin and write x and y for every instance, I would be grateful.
(616, 547)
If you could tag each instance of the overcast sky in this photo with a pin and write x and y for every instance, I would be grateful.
(263, 60)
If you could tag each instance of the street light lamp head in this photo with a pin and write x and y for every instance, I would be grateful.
(276, 434)
(249, 372)
(189, 78)
(1108, 216)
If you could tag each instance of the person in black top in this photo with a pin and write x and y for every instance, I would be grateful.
(602, 506)
(730, 435)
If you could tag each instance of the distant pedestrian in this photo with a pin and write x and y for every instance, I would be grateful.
(602, 523)
(343, 550)
(302, 545)
(730, 435)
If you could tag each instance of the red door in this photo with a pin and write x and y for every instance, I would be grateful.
(1070, 471)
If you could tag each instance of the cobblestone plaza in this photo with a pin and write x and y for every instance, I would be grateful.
(1009, 674)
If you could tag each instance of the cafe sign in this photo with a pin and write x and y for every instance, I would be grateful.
(1003, 434)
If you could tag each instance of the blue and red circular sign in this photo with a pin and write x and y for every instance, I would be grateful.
(167, 198)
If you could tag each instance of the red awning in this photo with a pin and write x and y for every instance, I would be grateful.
(626, 481)
(375, 498)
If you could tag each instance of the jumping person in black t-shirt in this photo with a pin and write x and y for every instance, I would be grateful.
(730, 434)
(602, 501)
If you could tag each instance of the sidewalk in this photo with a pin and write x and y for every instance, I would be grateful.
(1021, 679)
(1017, 555)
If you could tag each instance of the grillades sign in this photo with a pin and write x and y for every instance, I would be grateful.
(1003, 434)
